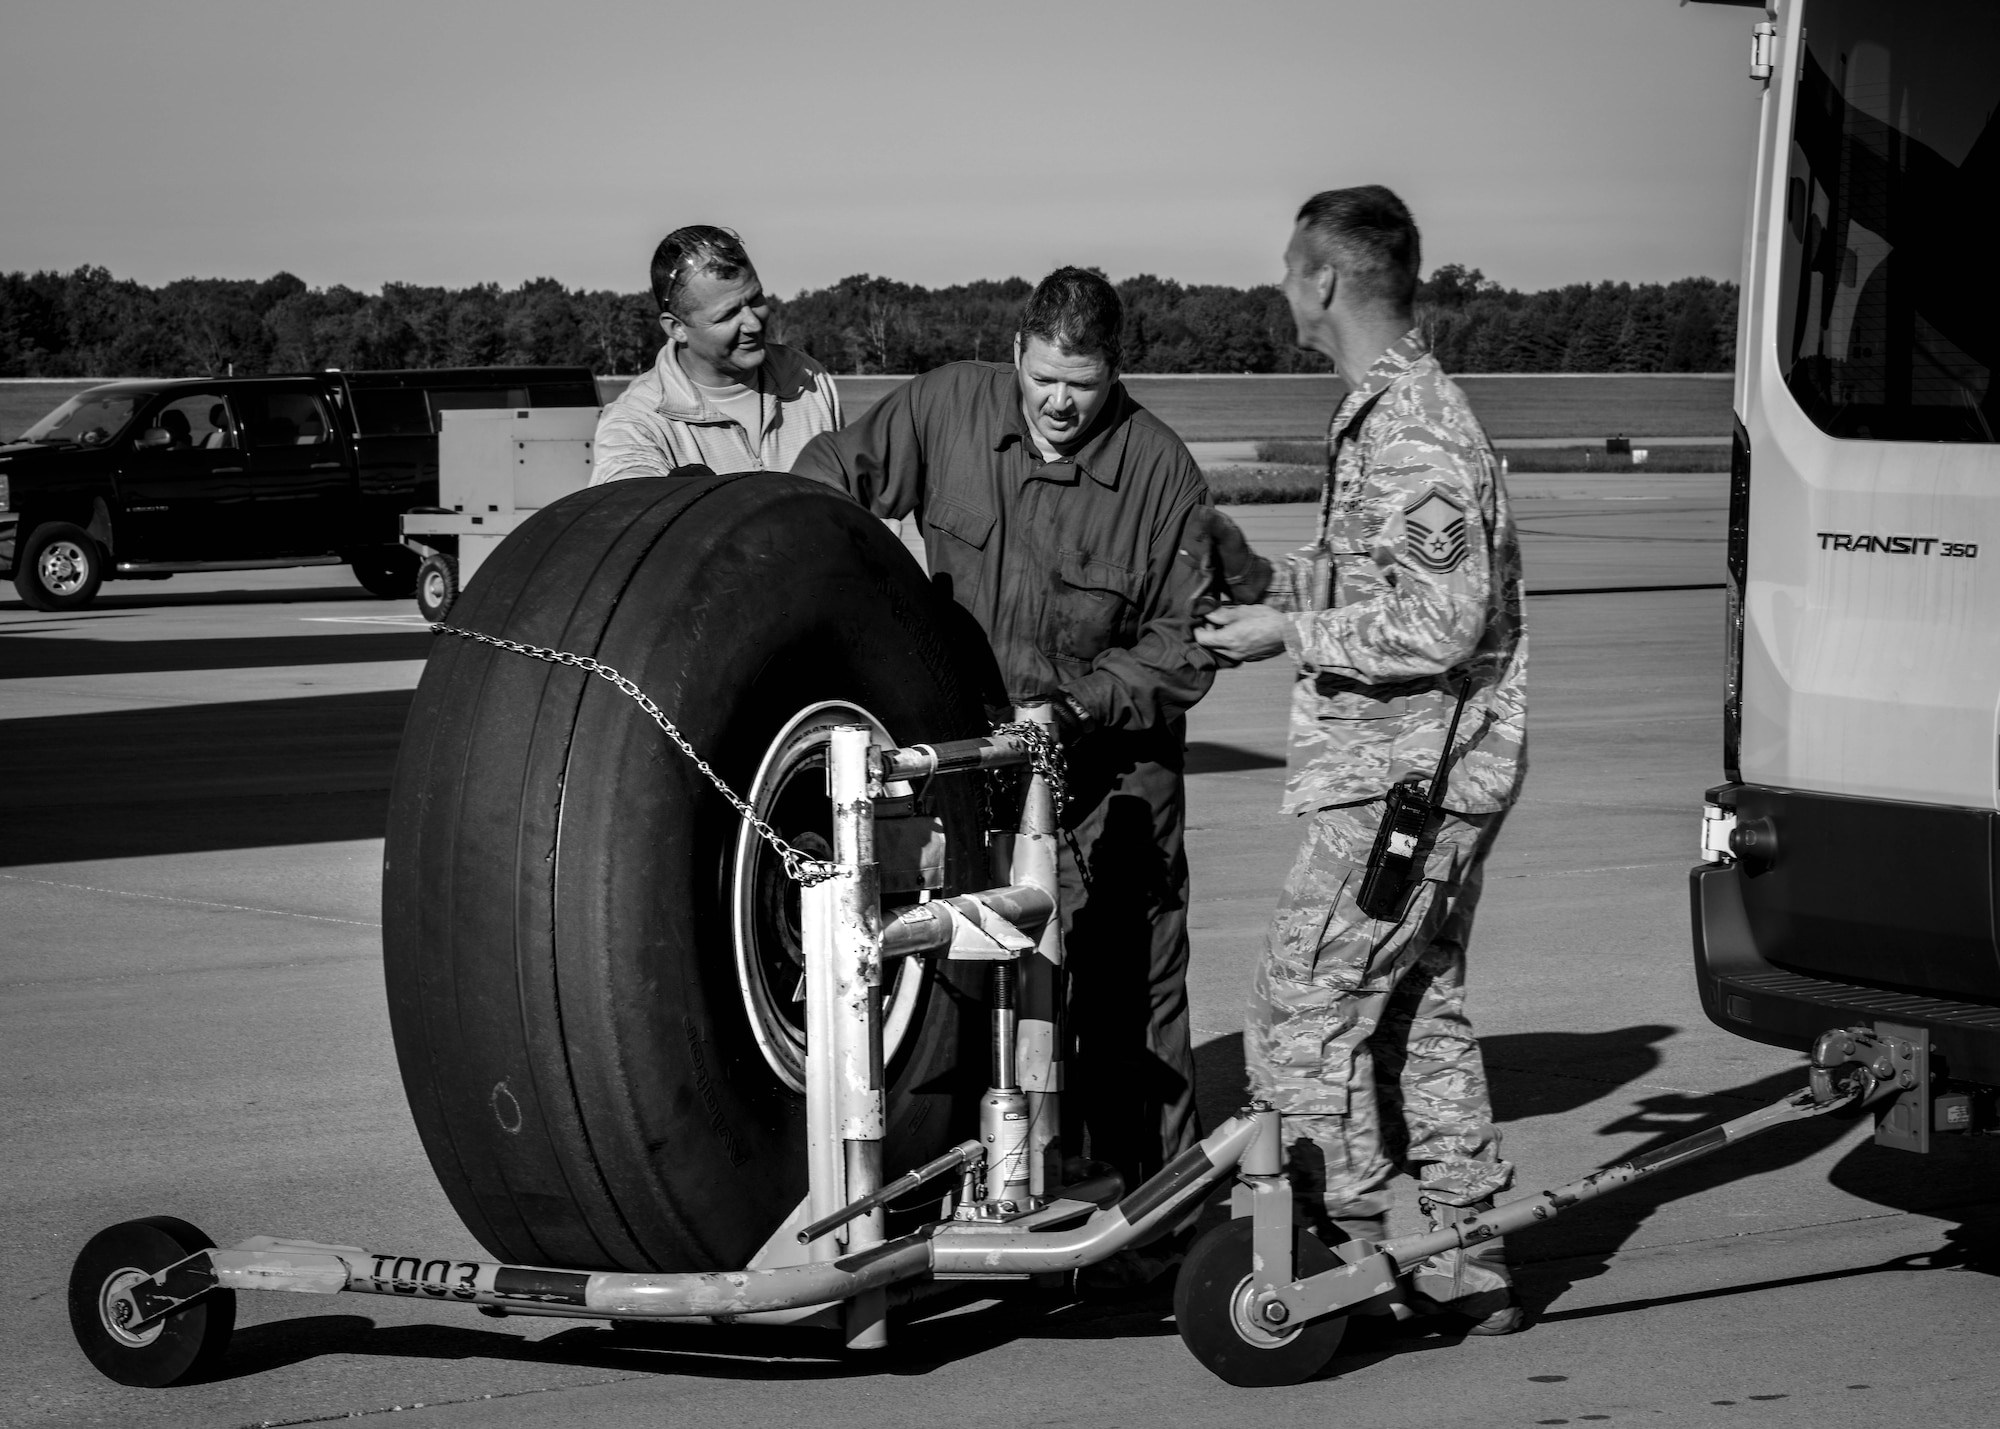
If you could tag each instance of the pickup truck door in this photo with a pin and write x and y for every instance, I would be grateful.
(182, 484)
(301, 480)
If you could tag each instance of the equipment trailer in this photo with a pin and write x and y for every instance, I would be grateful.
(1260, 1301)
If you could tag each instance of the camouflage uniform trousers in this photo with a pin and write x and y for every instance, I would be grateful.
(1357, 1033)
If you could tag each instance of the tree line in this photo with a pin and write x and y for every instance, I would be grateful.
(90, 323)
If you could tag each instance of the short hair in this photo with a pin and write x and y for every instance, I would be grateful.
(697, 248)
(1077, 310)
(1369, 238)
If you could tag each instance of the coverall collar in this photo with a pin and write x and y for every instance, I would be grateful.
(1100, 457)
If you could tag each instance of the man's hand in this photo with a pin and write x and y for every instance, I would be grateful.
(1073, 721)
(1243, 632)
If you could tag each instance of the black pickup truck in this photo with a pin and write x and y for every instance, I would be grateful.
(139, 480)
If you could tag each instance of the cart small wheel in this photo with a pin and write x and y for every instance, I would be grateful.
(1212, 1308)
(168, 1351)
(437, 585)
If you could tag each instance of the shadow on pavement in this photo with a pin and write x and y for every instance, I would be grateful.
(924, 1338)
(1548, 1073)
(147, 595)
(185, 778)
(1954, 1178)
(36, 655)
(1531, 1073)
(1207, 758)
(1974, 1245)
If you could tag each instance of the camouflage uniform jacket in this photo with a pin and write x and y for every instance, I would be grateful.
(1413, 586)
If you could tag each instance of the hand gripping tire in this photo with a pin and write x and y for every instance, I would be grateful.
(571, 1009)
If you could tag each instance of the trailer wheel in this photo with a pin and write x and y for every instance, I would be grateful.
(184, 1344)
(589, 977)
(437, 585)
(386, 571)
(1212, 1310)
(59, 567)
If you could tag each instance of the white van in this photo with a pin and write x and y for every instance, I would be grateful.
(1852, 870)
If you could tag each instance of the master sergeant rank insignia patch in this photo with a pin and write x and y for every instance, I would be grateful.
(1436, 526)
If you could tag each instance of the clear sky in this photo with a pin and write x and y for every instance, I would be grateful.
(446, 141)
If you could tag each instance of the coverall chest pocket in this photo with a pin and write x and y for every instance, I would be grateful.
(963, 522)
(1091, 604)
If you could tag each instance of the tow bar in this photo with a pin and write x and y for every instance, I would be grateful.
(1259, 1302)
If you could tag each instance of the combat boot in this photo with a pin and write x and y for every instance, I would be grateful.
(1471, 1283)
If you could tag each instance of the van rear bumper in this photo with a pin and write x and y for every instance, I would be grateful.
(1745, 994)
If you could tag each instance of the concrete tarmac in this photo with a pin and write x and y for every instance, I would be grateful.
(192, 1023)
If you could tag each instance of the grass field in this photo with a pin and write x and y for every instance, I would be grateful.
(1551, 459)
(1217, 409)
(1222, 409)
(22, 404)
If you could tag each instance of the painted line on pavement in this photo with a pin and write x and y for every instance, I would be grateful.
(1606, 868)
(403, 620)
(190, 902)
(1618, 589)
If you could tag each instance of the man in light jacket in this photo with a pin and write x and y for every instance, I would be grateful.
(720, 395)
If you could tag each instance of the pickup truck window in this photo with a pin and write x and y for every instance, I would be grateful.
(199, 419)
(284, 419)
(91, 419)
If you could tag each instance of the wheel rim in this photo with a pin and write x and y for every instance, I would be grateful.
(789, 793)
(116, 1309)
(434, 588)
(63, 567)
(1251, 1327)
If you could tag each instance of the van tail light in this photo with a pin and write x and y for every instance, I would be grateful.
(1734, 586)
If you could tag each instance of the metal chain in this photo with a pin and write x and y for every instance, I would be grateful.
(1045, 753)
(798, 867)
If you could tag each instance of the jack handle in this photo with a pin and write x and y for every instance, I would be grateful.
(966, 1153)
(1851, 1068)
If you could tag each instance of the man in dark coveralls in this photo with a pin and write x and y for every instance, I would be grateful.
(1053, 507)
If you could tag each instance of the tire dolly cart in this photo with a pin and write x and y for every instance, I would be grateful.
(1260, 1301)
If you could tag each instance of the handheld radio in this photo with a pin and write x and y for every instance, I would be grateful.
(1403, 842)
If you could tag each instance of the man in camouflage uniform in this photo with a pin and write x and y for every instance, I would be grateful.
(1357, 1029)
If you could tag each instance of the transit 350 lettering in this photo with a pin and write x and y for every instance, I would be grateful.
(1896, 545)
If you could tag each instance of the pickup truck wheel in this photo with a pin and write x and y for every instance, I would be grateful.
(387, 571)
(596, 1063)
(59, 567)
(437, 586)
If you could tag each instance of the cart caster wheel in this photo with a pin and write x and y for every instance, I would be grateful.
(168, 1351)
(1212, 1310)
(437, 586)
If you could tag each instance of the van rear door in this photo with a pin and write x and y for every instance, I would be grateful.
(1872, 663)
